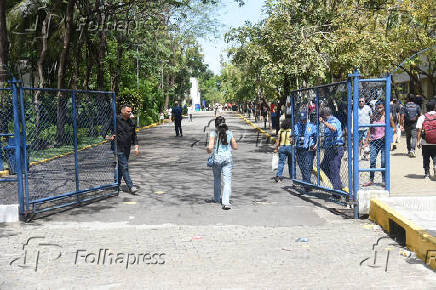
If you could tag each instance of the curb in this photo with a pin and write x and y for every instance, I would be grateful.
(417, 238)
(257, 128)
(322, 174)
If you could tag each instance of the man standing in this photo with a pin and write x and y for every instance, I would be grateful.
(125, 136)
(177, 113)
(305, 141)
(426, 124)
(409, 116)
(364, 118)
(334, 147)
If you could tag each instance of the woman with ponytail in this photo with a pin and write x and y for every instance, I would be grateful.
(221, 144)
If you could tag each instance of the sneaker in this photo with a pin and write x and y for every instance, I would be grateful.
(394, 147)
(227, 206)
(277, 179)
(368, 184)
(412, 154)
(427, 175)
(133, 190)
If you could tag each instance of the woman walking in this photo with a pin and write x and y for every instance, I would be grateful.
(377, 140)
(221, 143)
(283, 146)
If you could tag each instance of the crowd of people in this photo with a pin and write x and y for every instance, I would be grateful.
(313, 129)
(419, 128)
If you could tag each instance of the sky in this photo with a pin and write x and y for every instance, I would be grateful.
(231, 15)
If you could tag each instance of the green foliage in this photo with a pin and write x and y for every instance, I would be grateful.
(306, 43)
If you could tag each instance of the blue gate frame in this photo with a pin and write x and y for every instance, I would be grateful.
(353, 91)
(29, 204)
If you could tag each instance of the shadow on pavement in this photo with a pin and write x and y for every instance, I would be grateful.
(414, 176)
(346, 213)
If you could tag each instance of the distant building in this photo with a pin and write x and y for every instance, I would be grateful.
(195, 94)
(404, 85)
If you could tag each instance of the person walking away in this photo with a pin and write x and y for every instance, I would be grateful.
(409, 116)
(177, 112)
(364, 118)
(395, 111)
(305, 136)
(221, 143)
(333, 147)
(426, 126)
(377, 141)
(264, 114)
(284, 148)
(125, 137)
(274, 118)
(190, 113)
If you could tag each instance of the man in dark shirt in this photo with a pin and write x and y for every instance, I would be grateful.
(177, 113)
(125, 136)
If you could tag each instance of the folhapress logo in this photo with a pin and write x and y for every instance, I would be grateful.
(37, 253)
(108, 257)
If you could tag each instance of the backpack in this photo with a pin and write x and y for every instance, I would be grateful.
(411, 113)
(429, 126)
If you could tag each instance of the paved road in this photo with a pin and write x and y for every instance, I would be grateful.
(198, 245)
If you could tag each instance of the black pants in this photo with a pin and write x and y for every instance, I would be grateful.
(427, 152)
(411, 131)
(178, 123)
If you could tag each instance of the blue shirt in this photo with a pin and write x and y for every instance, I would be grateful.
(306, 131)
(223, 150)
(333, 138)
(177, 112)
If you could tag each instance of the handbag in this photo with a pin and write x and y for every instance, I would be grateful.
(210, 160)
(275, 161)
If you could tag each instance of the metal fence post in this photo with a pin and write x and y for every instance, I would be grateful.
(76, 152)
(17, 137)
(114, 114)
(25, 154)
(293, 169)
(349, 139)
(388, 135)
(355, 100)
(318, 143)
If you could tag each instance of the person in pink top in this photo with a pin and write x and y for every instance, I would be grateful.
(377, 139)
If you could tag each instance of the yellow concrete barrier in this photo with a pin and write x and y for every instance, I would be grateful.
(417, 238)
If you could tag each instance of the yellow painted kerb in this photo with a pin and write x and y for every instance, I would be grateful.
(417, 238)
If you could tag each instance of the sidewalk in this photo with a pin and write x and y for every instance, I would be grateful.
(252, 246)
(409, 213)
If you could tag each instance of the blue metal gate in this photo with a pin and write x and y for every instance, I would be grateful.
(61, 157)
(338, 167)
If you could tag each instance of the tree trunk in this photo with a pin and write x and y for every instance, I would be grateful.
(61, 100)
(117, 78)
(5, 103)
(41, 79)
(4, 44)
(286, 89)
(101, 54)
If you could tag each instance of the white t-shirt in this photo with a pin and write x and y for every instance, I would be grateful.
(364, 115)
(419, 126)
(189, 110)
